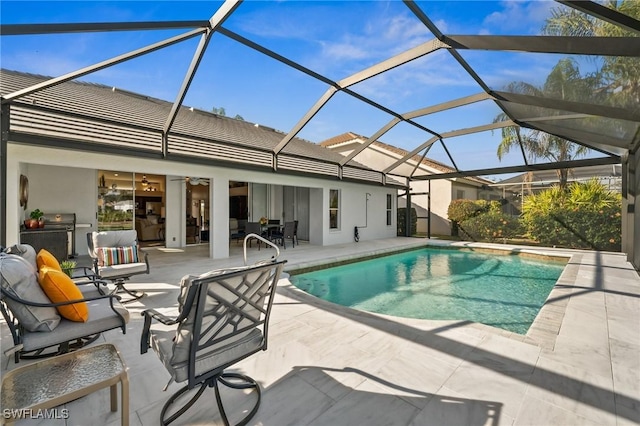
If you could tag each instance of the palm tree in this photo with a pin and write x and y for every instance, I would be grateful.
(564, 82)
(622, 74)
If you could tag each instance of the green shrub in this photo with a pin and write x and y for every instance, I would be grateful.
(492, 226)
(586, 215)
(578, 228)
(462, 210)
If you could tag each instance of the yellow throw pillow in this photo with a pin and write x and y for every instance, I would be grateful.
(60, 288)
(44, 258)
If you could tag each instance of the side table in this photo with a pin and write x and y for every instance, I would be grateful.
(64, 378)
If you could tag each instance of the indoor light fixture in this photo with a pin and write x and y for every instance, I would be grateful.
(144, 180)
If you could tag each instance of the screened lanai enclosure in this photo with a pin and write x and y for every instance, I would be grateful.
(505, 88)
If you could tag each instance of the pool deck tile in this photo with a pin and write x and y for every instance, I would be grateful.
(579, 364)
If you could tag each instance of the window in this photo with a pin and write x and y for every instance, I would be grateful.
(334, 209)
(459, 194)
(389, 204)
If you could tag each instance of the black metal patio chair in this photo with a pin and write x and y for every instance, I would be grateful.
(222, 318)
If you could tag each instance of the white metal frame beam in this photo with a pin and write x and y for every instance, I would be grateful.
(400, 59)
(451, 134)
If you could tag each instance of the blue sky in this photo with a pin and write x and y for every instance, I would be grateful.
(335, 39)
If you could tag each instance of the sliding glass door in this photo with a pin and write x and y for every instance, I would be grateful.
(115, 200)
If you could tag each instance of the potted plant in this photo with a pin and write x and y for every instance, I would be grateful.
(35, 220)
(68, 266)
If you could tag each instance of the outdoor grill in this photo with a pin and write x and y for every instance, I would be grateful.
(65, 221)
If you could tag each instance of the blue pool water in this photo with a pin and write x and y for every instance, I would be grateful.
(497, 290)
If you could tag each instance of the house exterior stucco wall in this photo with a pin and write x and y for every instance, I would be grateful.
(443, 191)
(82, 165)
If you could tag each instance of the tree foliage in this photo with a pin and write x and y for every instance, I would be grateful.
(621, 74)
(564, 82)
(220, 111)
(223, 113)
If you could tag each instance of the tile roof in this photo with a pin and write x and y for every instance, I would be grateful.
(349, 136)
(104, 102)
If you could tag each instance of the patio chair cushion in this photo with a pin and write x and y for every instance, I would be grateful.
(25, 251)
(44, 258)
(124, 238)
(125, 269)
(101, 318)
(19, 279)
(162, 342)
(108, 256)
(60, 288)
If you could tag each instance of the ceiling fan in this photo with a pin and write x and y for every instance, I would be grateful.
(144, 181)
(195, 180)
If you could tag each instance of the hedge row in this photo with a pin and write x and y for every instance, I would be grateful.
(585, 216)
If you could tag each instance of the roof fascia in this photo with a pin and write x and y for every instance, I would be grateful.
(77, 145)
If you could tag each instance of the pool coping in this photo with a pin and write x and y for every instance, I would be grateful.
(545, 328)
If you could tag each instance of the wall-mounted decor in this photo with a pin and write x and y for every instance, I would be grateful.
(24, 191)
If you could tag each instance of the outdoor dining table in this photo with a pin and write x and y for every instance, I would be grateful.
(269, 228)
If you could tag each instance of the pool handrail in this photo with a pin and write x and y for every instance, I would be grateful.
(260, 238)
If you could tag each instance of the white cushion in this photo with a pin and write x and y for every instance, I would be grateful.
(122, 269)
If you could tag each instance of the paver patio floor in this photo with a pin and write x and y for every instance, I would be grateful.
(329, 365)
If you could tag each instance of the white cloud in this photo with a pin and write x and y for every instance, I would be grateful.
(521, 17)
(442, 25)
(343, 50)
(417, 80)
(363, 46)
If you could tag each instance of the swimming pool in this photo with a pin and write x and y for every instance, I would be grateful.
(498, 290)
